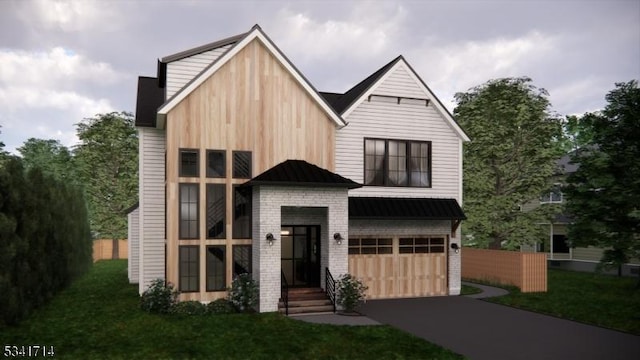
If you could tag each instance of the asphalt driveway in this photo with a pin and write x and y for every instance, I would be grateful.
(482, 330)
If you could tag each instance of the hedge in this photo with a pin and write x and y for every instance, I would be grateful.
(45, 239)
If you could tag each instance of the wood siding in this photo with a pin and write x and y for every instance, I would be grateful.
(180, 72)
(133, 246)
(152, 205)
(410, 120)
(254, 104)
(528, 271)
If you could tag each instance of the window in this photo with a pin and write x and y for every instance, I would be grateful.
(242, 164)
(189, 163)
(397, 163)
(189, 211)
(554, 195)
(370, 246)
(216, 163)
(241, 259)
(216, 209)
(241, 213)
(421, 245)
(189, 269)
(216, 274)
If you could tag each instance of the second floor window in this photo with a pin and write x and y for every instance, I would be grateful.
(397, 163)
(189, 163)
(242, 164)
(552, 196)
(189, 211)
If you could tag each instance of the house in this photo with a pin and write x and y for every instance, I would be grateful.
(560, 253)
(246, 167)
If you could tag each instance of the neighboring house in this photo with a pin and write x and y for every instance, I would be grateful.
(245, 167)
(560, 253)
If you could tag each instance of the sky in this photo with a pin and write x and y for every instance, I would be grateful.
(65, 60)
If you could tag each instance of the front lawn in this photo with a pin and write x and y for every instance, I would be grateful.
(98, 317)
(601, 300)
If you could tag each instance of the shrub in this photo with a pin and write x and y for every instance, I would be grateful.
(191, 307)
(244, 293)
(159, 298)
(220, 306)
(351, 292)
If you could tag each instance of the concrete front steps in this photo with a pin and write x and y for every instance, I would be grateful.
(306, 301)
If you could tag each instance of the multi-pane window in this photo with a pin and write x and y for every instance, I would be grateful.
(241, 213)
(189, 269)
(242, 164)
(216, 163)
(552, 196)
(421, 245)
(216, 209)
(216, 268)
(189, 211)
(241, 259)
(189, 163)
(397, 163)
(370, 246)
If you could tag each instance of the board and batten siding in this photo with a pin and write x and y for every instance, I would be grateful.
(180, 72)
(133, 245)
(152, 205)
(384, 118)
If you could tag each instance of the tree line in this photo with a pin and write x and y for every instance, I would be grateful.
(54, 201)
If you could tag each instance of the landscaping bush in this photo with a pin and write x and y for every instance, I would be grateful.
(191, 307)
(351, 292)
(220, 306)
(159, 298)
(244, 293)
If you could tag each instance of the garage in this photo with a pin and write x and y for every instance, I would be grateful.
(400, 266)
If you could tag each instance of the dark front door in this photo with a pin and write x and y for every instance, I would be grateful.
(301, 255)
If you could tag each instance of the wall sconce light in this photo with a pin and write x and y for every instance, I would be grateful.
(270, 239)
(338, 238)
(455, 247)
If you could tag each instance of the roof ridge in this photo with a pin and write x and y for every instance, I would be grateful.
(203, 48)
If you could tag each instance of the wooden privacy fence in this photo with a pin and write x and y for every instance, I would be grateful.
(103, 249)
(528, 271)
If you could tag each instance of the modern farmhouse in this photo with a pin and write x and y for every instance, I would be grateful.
(246, 167)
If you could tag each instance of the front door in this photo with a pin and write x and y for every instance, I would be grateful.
(301, 255)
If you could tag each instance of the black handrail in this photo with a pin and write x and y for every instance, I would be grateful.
(330, 287)
(284, 292)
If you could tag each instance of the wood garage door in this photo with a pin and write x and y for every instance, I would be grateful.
(396, 267)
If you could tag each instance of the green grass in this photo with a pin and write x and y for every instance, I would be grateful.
(469, 290)
(601, 300)
(98, 317)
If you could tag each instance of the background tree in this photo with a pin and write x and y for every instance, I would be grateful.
(604, 193)
(51, 157)
(509, 160)
(108, 166)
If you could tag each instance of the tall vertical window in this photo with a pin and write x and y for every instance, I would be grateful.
(189, 163)
(241, 259)
(216, 163)
(216, 209)
(397, 163)
(242, 164)
(189, 269)
(189, 211)
(241, 213)
(216, 273)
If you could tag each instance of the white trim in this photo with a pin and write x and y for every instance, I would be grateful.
(402, 62)
(255, 33)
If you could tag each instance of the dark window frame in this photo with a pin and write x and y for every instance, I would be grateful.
(222, 235)
(180, 220)
(223, 287)
(408, 168)
(180, 167)
(234, 174)
(234, 232)
(209, 173)
(197, 273)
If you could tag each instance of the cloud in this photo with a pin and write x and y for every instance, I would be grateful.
(74, 15)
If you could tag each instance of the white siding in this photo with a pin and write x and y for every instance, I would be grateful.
(180, 72)
(152, 205)
(410, 120)
(133, 246)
